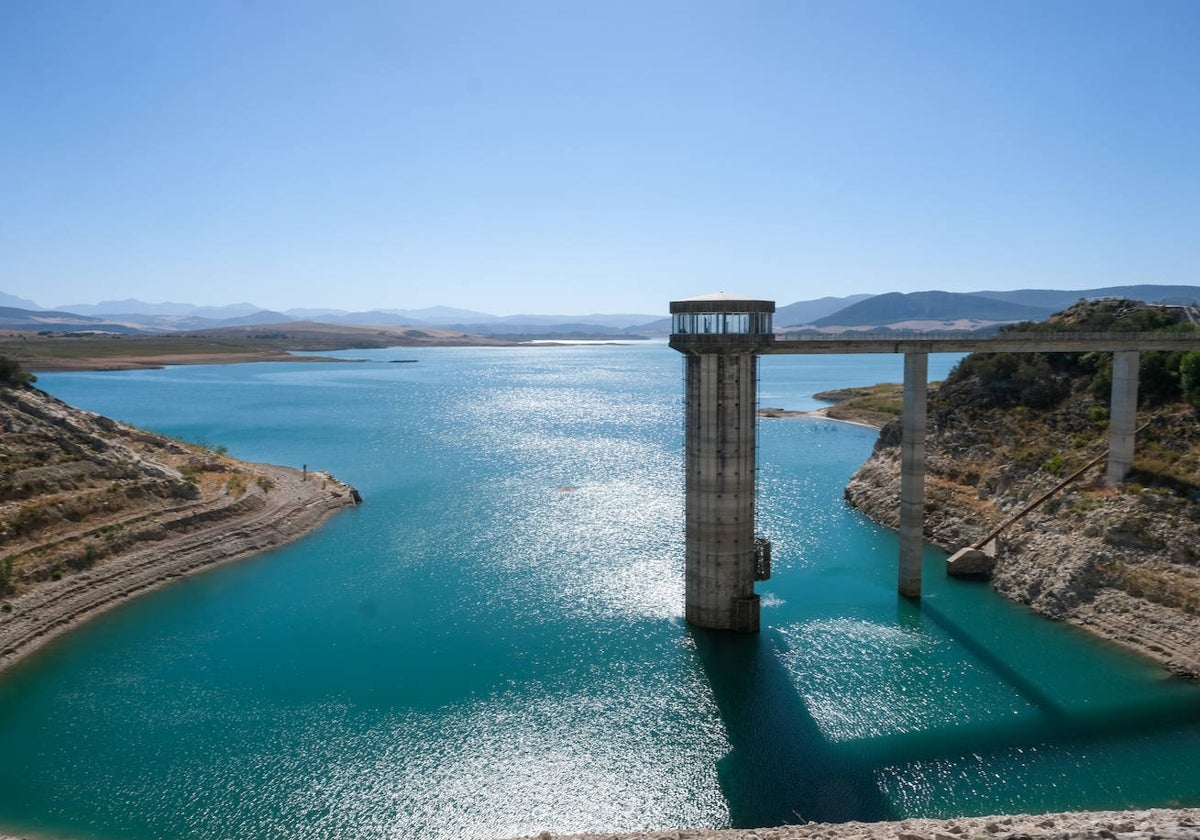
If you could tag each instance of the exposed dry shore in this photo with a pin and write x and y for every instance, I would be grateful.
(158, 361)
(1167, 824)
(258, 521)
(1154, 824)
(829, 413)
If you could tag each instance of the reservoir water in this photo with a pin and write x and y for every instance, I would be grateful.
(493, 644)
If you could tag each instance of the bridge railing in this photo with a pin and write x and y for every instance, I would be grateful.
(960, 335)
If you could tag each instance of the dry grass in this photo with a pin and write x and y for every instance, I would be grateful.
(1171, 586)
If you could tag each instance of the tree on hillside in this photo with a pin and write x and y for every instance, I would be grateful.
(1044, 380)
(12, 375)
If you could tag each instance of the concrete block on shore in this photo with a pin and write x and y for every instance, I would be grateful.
(970, 563)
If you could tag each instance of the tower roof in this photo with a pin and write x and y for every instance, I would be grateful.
(722, 302)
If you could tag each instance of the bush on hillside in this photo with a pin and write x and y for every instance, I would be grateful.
(12, 375)
(1045, 380)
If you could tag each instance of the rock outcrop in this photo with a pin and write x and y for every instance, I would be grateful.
(1123, 562)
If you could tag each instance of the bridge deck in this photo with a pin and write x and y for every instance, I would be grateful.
(1075, 342)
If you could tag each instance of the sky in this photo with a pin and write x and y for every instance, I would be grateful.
(576, 157)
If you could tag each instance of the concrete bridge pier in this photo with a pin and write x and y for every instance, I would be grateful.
(912, 472)
(1122, 415)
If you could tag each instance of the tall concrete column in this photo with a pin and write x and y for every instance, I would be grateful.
(1122, 415)
(912, 473)
(721, 336)
(720, 444)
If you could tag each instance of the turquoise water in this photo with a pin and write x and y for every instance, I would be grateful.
(493, 644)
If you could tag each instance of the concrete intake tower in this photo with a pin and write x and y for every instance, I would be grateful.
(721, 336)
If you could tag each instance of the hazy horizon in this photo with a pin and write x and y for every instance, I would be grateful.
(530, 157)
(438, 312)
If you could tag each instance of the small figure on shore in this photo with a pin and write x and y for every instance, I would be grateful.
(304, 472)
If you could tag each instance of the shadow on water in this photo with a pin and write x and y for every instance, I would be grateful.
(1024, 687)
(1056, 723)
(780, 768)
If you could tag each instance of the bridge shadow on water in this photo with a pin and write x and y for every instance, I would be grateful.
(781, 768)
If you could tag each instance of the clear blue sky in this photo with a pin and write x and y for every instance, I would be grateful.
(577, 157)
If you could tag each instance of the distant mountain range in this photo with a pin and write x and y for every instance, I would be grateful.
(981, 310)
(15, 302)
(12, 318)
(919, 307)
(915, 310)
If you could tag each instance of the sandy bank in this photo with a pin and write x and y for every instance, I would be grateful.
(157, 362)
(831, 412)
(1167, 824)
(295, 505)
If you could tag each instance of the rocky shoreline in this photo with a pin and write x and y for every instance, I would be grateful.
(1113, 561)
(1150, 824)
(296, 504)
(1120, 563)
(1155, 824)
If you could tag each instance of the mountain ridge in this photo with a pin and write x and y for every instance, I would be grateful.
(897, 307)
(923, 310)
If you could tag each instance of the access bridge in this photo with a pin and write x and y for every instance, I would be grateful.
(721, 337)
(1126, 348)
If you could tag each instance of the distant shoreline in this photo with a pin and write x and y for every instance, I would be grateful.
(158, 361)
(829, 412)
(116, 363)
(874, 406)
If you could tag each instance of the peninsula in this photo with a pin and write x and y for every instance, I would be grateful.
(49, 350)
(93, 512)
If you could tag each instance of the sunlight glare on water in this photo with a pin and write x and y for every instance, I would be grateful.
(492, 644)
(902, 680)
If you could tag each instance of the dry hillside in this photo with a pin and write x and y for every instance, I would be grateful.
(92, 510)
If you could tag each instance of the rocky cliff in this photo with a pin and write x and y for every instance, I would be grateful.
(1122, 562)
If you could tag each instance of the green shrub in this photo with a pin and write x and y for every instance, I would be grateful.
(236, 486)
(13, 375)
(6, 574)
(1189, 376)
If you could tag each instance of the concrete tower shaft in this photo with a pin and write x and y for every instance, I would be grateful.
(720, 445)
(721, 337)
